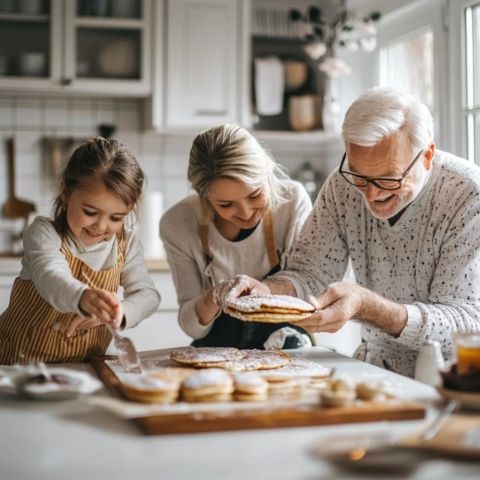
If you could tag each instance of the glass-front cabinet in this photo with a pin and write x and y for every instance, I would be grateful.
(78, 46)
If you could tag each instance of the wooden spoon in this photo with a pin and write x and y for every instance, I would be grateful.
(14, 207)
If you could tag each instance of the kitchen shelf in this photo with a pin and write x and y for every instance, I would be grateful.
(312, 136)
(20, 17)
(113, 23)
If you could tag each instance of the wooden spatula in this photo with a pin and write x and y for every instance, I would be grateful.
(14, 207)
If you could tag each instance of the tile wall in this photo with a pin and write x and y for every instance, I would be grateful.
(163, 157)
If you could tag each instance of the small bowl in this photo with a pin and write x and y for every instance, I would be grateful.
(469, 382)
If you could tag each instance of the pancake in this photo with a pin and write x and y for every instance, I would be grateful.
(269, 308)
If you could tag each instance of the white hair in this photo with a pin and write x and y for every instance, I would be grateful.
(383, 111)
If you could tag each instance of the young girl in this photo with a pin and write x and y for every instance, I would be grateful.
(65, 297)
(243, 219)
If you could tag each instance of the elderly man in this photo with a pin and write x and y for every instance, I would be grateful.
(408, 217)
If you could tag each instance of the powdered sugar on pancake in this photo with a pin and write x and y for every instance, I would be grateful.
(205, 355)
(260, 303)
(249, 379)
(299, 367)
(208, 377)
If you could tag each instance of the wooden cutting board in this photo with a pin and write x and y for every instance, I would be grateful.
(262, 415)
(459, 437)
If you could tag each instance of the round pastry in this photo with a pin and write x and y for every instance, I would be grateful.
(263, 360)
(206, 357)
(269, 308)
(337, 398)
(208, 385)
(151, 388)
(250, 387)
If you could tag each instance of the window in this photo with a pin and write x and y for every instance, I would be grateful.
(472, 75)
(408, 64)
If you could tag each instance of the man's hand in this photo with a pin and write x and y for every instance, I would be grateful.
(344, 301)
(103, 305)
(237, 286)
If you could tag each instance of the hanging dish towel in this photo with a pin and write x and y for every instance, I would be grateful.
(269, 85)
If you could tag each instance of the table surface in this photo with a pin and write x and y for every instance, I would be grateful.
(76, 440)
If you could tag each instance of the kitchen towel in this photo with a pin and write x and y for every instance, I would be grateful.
(269, 85)
(148, 221)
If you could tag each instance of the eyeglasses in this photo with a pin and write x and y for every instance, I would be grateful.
(361, 181)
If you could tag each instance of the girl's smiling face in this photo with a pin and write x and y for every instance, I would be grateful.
(94, 213)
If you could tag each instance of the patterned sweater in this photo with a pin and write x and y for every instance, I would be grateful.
(429, 260)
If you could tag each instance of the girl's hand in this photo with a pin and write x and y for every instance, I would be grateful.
(79, 324)
(103, 305)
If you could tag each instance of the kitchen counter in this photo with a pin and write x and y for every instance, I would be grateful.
(12, 265)
(75, 440)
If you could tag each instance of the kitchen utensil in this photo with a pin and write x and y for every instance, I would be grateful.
(118, 59)
(32, 63)
(303, 112)
(295, 74)
(15, 207)
(127, 354)
(434, 427)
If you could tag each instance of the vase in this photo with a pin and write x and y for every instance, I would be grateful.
(303, 112)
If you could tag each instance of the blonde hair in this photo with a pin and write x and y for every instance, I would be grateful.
(230, 151)
(383, 111)
(108, 160)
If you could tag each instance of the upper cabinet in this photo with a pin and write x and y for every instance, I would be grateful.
(84, 46)
(204, 69)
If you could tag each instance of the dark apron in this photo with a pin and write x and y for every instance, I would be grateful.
(228, 331)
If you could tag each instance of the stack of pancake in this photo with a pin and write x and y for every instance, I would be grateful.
(269, 308)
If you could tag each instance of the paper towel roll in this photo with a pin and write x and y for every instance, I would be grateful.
(148, 222)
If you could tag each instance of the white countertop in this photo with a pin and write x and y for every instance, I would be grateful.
(60, 440)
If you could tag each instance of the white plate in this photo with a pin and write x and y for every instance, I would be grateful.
(15, 381)
(468, 399)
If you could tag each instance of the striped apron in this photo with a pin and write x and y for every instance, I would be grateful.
(29, 326)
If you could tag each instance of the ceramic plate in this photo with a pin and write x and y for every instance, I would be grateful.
(468, 399)
(18, 380)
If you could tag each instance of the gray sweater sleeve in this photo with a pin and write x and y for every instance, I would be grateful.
(186, 274)
(320, 254)
(48, 268)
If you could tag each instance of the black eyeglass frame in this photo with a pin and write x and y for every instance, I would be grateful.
(374, 181)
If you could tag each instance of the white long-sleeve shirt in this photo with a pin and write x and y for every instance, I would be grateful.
(429, 260)
(47, 267)
(179, 233)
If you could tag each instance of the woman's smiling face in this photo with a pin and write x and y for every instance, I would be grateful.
(237, 203)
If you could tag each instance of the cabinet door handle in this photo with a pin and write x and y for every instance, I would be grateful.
(66, 81)
(210, 113)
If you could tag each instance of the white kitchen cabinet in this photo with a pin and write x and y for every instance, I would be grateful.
(69, 47)
(204, 63)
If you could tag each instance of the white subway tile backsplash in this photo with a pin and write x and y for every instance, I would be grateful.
(105, 112)
(83, 118)
(175, 190)
(29, 113)
(6, 112)
(57, 113)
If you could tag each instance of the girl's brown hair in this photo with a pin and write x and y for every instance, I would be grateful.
(106, 159)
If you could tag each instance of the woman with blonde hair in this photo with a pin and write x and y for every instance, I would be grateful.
(243, 219)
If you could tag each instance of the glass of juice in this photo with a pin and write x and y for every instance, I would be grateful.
(468, 353)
